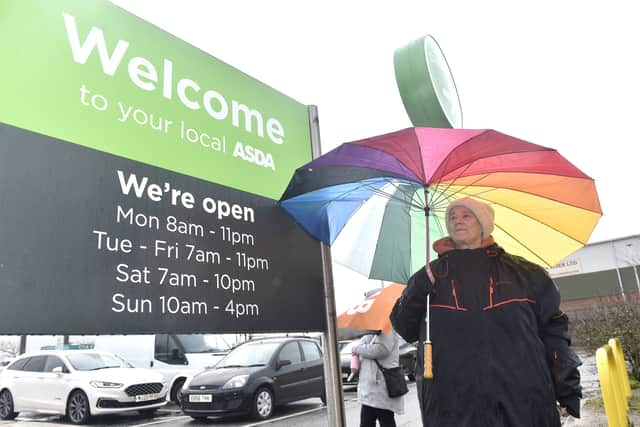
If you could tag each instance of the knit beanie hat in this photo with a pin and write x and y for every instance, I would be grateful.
(483, 212)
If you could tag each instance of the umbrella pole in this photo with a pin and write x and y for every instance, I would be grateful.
(428, 361)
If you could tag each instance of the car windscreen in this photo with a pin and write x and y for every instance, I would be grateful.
(202, 344)
(94, 361)
(250, 354)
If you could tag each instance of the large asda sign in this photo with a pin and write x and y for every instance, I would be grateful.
(138, 183)
(97, 76)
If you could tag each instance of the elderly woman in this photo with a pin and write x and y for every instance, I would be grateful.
(372, 391)
(501, 353)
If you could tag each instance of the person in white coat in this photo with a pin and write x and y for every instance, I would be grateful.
(372, 390)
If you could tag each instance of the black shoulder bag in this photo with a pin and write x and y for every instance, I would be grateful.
(394, 379)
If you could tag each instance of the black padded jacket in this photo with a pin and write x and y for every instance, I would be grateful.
(501, 348)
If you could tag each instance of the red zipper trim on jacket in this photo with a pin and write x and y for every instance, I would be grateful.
(449, 307)
(530, 301)
(490, 291)
(455, 296)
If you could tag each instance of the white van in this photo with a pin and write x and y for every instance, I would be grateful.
(175, 356)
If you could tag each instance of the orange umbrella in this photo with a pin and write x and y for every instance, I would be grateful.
(373, 313)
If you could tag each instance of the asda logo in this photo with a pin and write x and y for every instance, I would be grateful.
(149, 77)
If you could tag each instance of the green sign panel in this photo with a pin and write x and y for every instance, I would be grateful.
(139, 180)
(90, 73)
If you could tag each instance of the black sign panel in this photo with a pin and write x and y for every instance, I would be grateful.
(97, 244)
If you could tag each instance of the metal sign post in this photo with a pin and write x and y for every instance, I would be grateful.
(333, 382)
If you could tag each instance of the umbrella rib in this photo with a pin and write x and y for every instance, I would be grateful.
(441, 204)
(438, 223)
(421, 163)
(445, 163)
(390, 197)
(377, 191)
(531, 193)
(441, 193)
(448, 158)
(480, 178)
(523, 245)
(421, 202)
(529, 150)
(524, 192)
(341, 196)
(450, 183)
(532, 219)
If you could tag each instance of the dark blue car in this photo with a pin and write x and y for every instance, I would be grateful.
(255, 377)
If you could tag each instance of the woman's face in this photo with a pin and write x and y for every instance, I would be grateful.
(466, 231)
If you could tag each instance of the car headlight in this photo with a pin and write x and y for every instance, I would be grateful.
(236, 382)
(105, 384)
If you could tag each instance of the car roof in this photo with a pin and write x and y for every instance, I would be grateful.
(63, 353)
(281, 339)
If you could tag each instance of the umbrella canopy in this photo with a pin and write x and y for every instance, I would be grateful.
(368, 198)
(372, 314)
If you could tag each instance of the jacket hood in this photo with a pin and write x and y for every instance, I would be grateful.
(444, 245)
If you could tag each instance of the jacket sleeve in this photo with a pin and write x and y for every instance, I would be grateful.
(410, 309)
(377, 348)
(554, 331)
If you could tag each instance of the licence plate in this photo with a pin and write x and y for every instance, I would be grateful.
(145, 397)
(200, 398)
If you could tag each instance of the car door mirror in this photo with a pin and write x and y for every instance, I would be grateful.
(58, 370)
(282, 363)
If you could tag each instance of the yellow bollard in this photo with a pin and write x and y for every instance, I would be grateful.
(618, 355)
(617, 378)
(614, 400)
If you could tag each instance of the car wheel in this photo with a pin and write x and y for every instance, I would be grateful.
(262, 404)
(6, 406)
(412, 377)
(78, 408)
(175, 391)
(148, 412)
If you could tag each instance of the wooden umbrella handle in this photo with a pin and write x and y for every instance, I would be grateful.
(428, 362)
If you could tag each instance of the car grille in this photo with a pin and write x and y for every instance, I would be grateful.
(110, 403)
(204, 387)
(147, 388)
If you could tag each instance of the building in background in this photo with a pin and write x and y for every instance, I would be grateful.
(599, 273)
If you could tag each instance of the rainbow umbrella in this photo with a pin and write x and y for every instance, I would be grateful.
(368, 199)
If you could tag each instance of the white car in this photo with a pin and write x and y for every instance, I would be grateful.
(78, 384)
(5, 362)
